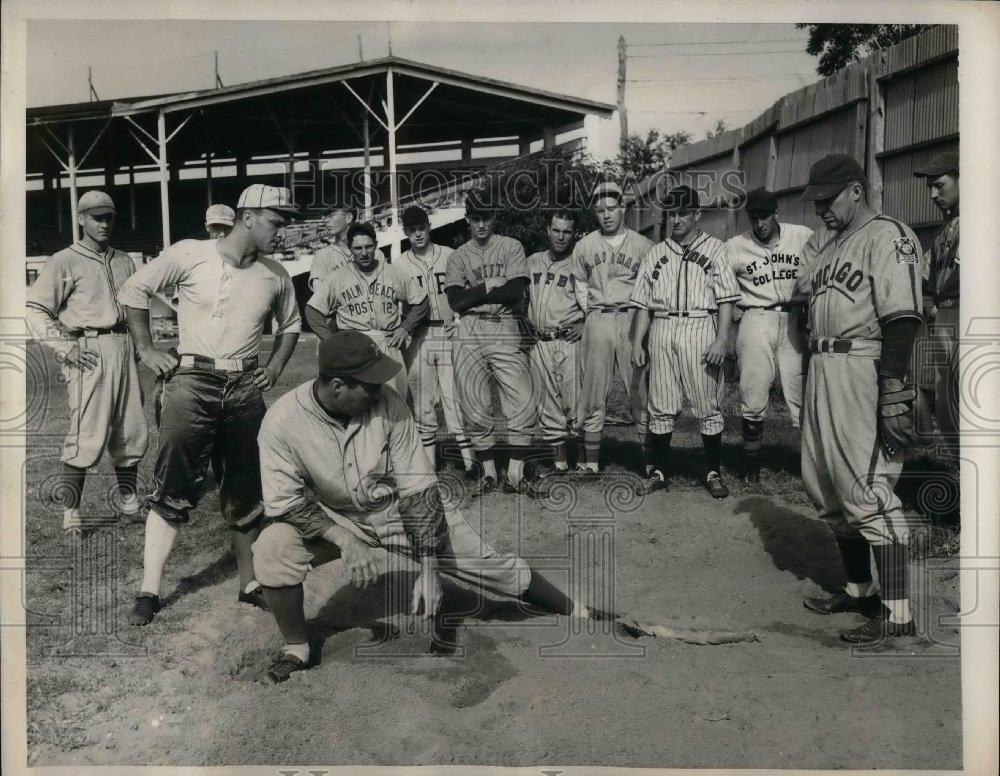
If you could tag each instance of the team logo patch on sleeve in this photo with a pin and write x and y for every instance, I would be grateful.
(906, 251)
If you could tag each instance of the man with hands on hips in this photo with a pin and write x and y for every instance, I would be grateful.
(212, 403)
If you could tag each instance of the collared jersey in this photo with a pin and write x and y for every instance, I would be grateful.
(361, 469)
(469, 266)
(680, 278)
(430, 272)
(327, 260)
(859, 282)
(942, 269)
(552, 301)
(79, 287)
(767, 275)
(222, 309)
(608, 270)
(367, 301)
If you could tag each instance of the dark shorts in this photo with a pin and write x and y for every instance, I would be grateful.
(209, 416)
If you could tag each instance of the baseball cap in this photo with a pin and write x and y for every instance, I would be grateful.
(276, 198)
(349, 353)
(414, 215)
(480, 203)
(607, 189)
(96, 203)
(761, 201)
(681, 199)
(220, 214)
(831, 175)
(942, 164)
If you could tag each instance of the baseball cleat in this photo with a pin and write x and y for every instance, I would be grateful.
(654, 482)
(523, 487)
(255, 598)
(839, 603)
(483, 486)
(715, 485)
(585, 472)
(878, 628)
(284, 666)
(145, 609)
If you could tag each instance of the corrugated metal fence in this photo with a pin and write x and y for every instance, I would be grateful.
(892, 111)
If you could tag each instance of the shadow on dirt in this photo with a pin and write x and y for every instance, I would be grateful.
(801, 545)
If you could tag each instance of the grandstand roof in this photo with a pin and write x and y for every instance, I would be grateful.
(310, 112)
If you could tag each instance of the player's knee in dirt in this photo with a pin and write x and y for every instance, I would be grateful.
(278, 559)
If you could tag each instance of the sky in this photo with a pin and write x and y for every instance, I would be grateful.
(680, 76)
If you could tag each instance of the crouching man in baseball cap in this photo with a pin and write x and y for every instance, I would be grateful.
(355, 444)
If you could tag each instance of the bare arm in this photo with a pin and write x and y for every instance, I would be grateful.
(160, 363)
(643, 318)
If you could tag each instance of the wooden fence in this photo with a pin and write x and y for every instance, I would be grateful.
(892, 111)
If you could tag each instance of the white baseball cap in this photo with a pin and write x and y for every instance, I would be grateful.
(220, 214)
(276, 198)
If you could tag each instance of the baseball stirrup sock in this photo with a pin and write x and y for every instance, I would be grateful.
(591, 448)
(559, 456)
(128, 487)
(69, 491)
(465, 448)
(892, 562)
(713, 452)
(648, 456)
(659, 445)
(286, 604)
(856, 554)
(753, 433)
(489, 464)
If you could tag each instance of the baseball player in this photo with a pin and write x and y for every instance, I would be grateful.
(354, 445)
(333, 256)
(72, 308)
(428, 356)
(767, 260)
(219, 221)
(686, 290)
(486, 280)
(864, 311)
(556, 319)
(368, 294)
(212, 403)
(941, 288)
(607, 261)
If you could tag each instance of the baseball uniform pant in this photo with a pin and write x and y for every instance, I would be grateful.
(944, 333)
(399, 382)
(555, 375)
(486, 350)
(677, 369)
(283, 558)
(209, 416)
(432, 379)
(607, 345)
(846, 474)
(105, 405)
(769, 342)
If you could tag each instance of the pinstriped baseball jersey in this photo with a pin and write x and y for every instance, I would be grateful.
(609, 270)
(326, 261)
(79, 287)
(870, 277)
(430, 273)
(767, 275)
(675, 278)
(367, 301)
(553, 302)
(469, 265)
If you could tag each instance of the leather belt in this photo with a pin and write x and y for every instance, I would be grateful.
(220, 364)
(435, 323)
(118, 328)
(613, 308)
(864, 348)
(682, 314)
(778, 308)
(551, 335)
(491, 316)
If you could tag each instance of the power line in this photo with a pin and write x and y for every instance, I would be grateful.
(655, 81)
(715, 42)
(716, 54)
(696, 112)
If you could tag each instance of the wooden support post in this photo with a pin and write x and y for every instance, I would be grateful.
(772, 163)
(548, 138)
(209, 196)
(393, 191)
(466, 151)
(73, 194)
(875, 134)
(732, 208)
(161, 137)
(131, 195)
(523, 145)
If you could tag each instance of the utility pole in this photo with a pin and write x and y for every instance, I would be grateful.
(388, 37)
(361, 56)
(90, 84)
(622, 114)
(218, 79)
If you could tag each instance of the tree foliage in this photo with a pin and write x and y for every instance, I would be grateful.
(721, 125)
(640, 156)
(838, 45)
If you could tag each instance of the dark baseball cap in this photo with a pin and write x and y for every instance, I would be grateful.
(480, 203)
(831, 175)
(761, 201)
(942, 164)
(349, 353)
(681, 199)
(413, 216)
